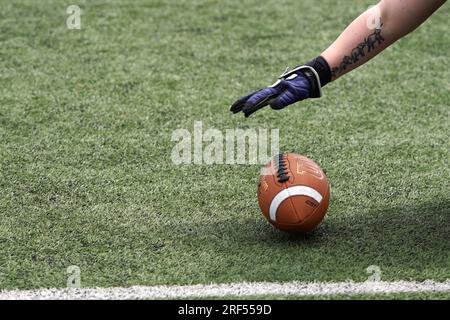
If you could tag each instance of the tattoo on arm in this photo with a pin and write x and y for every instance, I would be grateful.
(359, 52)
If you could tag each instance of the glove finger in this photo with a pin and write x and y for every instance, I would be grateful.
(289, 96)
(264, 97)
(250, 108)
(261, 95)
(239, 104)
(260, 99)
(283, 100)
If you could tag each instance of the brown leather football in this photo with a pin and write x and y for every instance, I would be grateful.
(293, 193)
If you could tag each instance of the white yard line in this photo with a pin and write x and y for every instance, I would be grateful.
(232, 289)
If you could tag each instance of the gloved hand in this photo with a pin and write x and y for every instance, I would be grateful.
(293, 85)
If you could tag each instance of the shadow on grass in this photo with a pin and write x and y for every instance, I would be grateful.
(410, 237)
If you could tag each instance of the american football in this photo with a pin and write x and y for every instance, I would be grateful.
(293, 193)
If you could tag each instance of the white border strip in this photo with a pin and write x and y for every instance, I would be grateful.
(227, 290)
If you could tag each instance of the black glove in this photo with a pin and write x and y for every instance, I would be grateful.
(293, 85)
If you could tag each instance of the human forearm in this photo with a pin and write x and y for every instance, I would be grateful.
(369, 34)
(374, 30)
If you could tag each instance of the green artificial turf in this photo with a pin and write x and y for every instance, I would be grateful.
(86, 118)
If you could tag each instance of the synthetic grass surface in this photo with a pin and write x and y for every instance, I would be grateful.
(86, 118)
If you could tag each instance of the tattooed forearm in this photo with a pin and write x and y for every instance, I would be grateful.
(365, 47)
